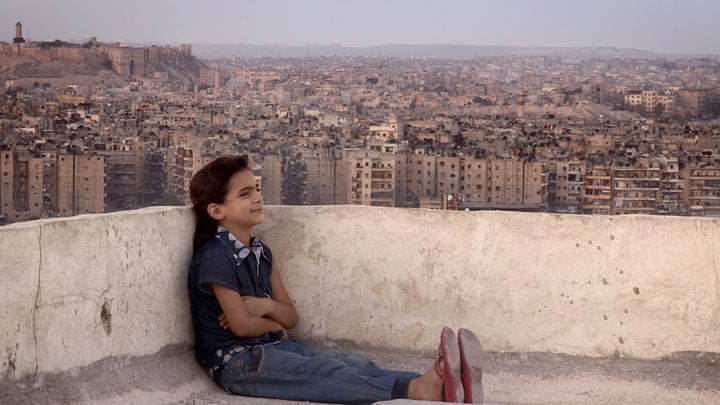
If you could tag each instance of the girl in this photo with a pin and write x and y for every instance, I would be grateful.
(241, 313)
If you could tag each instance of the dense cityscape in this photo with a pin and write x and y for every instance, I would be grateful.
(99, 127)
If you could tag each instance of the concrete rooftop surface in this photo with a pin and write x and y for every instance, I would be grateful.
(172, 376)
(570, 309)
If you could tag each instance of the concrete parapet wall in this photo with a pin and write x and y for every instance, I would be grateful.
(82, 289)
(78, 290)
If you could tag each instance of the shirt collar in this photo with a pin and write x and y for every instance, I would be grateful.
(240, 250)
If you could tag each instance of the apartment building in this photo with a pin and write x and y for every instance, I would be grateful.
(636, 190)
(704, 191)
(27, 185)
(565, 184)
(598, 190)
(182, 165)
(326, 181)
(449, 177)
(691, 101)
(392, 128)
(80, 185)
(55, 185)
(649, 100)
(134, 174)
(674, 195)
(421, 177)
(371, 177)
(475, 186)
(269, 169)
(516, 182)
(261, 76)
(7, 182)
(653, 185)
(575, 186)
(472, 180)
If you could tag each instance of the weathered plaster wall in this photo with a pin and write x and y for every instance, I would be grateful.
(73, 291)
(639, 286)
(81, 289)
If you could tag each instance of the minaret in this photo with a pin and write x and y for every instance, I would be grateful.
(379, 69)
(521, 103)
(18, 34)
(217, 75)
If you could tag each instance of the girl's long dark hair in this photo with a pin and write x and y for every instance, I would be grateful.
(210, 185)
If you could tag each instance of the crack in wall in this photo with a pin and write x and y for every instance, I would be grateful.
(37, 299)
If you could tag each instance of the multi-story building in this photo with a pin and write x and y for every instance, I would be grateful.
(182, 165)
(261, 76)
(28, 185)
(370, 176)
(269, 168)
(80, 185)
(704, 191)
(7, 194)
(515, 182)
(598, 190)
(134, 174)
(392, 128)
(636, 190)
(153, 176)
(449, 176)
(326, 181)
(421, 178)
(55, 185)
(649, 100)
(575, 186)
(475, 182)
(674, 196)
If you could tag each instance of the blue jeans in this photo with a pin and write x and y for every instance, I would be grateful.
(295, 371)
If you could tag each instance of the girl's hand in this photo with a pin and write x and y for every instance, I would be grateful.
(223, 321)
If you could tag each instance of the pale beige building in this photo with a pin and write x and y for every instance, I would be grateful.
(598, 190)
(475, 187)
(80, 185)
(370, 177)
(261, 76)
(7, 173)
(22, 186)
(636, 190)
(674, 195)
(515, 182)
(422, 175)
(449, 169)
(704, 191)
(270, 171)
(325, 181)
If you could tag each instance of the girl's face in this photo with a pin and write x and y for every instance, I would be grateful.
(243, 205)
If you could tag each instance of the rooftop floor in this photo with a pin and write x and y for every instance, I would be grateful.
(172, 376)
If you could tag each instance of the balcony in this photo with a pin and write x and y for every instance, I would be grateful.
(592, 310)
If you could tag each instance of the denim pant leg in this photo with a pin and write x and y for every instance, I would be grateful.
(364, 363)
(294, 371)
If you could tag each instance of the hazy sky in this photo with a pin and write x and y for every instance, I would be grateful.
(671, 26)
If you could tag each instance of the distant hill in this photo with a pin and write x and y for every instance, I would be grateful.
(210, 51)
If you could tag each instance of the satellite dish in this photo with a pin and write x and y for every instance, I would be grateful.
(450, 197)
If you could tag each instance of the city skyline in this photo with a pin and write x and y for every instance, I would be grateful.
(661, 26)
